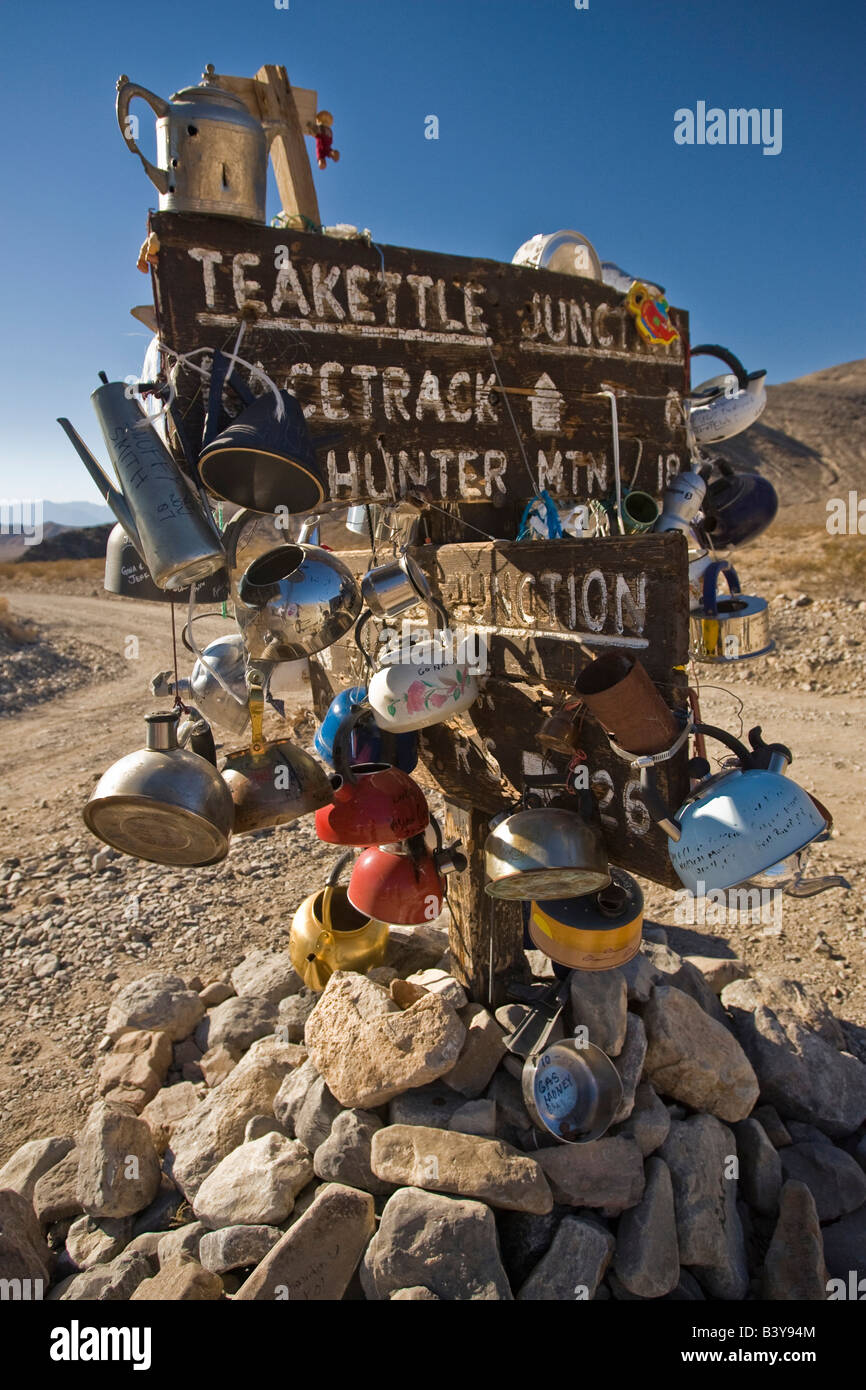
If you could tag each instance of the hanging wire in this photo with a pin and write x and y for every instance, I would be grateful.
(614, 420)
(517, 433)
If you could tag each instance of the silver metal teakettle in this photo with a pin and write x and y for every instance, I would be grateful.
(158, 509)
(212, 154)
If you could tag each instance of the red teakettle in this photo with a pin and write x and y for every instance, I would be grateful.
(404, 889)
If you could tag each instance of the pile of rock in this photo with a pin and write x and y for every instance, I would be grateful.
(257, 1141)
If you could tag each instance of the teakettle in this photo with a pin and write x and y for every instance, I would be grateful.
(212, 153)
(329, 934)
(596, 931)
(682, 503)
(736, 824)
(294, 601)
(222, 664)
(373, 803)
(739, 507)
(404, 886)
(158, 509)
(367, 742)
(434, 684)
(271, 783)
(163, 803)
(729, 628)
(725, 405)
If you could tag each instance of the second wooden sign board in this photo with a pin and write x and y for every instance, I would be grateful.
(540, 612)
(398, 357)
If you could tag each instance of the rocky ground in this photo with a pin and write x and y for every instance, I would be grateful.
(257, 1141)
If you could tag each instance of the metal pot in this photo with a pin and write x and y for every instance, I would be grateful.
(392, 589)
(598, 931)
(737, 824)
(329, 934)
(544, 852)
(734, 628)
(162, 803)
(212, 153)
(271, 783)
(572, 1092)
(294, 601)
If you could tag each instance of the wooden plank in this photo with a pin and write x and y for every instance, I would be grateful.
(306, 100)
(287, 148)
(635, 592)
(478, 923)
(390, 355)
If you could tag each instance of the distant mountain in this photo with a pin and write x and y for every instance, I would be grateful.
(13, 545)
(810, 441)
(69, 543)
(77, 513)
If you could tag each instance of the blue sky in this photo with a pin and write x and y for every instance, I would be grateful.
(549, 117)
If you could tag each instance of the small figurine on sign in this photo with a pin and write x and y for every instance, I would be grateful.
(650, 315)
(149, 253)
(325, 139)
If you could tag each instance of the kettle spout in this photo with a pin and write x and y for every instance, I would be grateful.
(114, 499)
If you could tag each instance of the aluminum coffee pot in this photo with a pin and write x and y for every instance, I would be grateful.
(212, 153)
(158, 509)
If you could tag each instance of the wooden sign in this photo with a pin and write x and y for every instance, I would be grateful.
(406, 363)
(540, 612)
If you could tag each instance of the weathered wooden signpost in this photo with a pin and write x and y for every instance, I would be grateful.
(469, 385)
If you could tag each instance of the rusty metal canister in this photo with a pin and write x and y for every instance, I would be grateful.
(619, 693)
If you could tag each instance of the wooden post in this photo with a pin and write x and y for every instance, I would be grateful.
(288, 152)
(477, 921)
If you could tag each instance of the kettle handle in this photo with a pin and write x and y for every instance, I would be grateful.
(712, 574)
(342, 743)
(726, 356)
(649, 788)
(328, 895)
(256, 701)
(126, 90)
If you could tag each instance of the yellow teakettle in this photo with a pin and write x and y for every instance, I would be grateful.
(329, 934)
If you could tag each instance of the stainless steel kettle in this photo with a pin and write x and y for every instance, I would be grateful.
(163, 803)
(212, 153)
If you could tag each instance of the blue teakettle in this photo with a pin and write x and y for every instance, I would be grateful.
(368, 743)
(736, 824)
